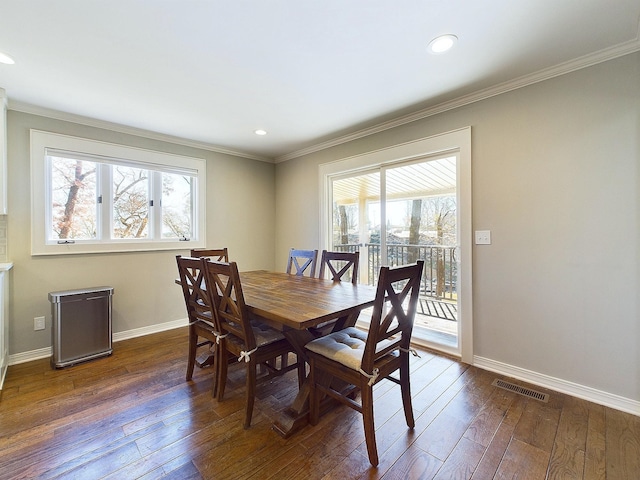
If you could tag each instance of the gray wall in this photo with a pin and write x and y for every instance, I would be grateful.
(240, 216)
(556, 180)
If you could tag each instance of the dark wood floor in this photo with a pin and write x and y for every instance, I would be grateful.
(133, 415)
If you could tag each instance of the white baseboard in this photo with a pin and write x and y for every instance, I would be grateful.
(3, 374)
(117, 337)
(23, 357)
(140, 332)
(563, 386)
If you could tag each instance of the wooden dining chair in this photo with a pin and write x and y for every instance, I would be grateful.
(251, 342)
(362, 359)
(338, 264)
(217, 254)
(201, 315)
(302, 261)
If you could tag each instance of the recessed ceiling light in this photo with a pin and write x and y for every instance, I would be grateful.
(442, 43)
(260, 132)
(4, 58)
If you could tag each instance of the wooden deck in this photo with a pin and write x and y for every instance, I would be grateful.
(438, 308)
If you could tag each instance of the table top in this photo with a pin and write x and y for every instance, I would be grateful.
(302, 302)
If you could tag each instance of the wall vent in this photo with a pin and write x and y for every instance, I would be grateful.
(527, 392)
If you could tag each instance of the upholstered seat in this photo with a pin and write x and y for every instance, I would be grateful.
(345, 347)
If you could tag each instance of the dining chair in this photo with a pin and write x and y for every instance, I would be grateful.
(339, 264)
(218, 254)
(301, 260)
(251, 342)
(361, 359)
(200, 312)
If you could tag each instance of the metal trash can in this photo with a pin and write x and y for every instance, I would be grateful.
(81, 327)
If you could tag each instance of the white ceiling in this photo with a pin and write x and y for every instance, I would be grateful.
(308, 72)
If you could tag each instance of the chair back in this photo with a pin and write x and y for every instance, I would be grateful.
(303, 261)
(340, 264)
(196, 298)
(217, 254)
(225, 292)
(398, 290)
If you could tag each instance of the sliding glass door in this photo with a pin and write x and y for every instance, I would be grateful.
(396, 214)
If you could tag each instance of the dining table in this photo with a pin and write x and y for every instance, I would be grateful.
(302, 308)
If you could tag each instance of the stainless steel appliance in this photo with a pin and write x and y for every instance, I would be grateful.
(81, 325)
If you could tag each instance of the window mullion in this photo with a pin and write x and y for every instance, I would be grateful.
(105, 205)
(155, 208)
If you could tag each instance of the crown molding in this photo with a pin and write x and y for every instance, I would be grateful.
(520, 82)
(138, 132)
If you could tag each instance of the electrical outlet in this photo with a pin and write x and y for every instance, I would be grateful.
(38, 323)
(483, 237)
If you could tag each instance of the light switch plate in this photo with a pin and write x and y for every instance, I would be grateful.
(483, 237)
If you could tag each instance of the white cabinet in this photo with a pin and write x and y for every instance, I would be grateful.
(3, 152)
(4, 320)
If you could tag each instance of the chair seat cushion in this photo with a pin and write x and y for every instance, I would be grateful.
(345, 346)
(263, 334)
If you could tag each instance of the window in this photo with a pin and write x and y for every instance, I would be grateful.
(101, 197)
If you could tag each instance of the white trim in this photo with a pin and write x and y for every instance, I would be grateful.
(520, 82)
(426, 342)
(46, 352)
(3, 375)
(458, 141)
(559, 385)
(41, 142)
(3, 152)
(24, 357)
(18, 106)
(142, 331)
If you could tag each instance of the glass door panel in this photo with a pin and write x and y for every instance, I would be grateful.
(421, 221)
(356, 218)
(400, 213)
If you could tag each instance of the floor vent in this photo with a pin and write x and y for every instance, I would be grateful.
(527, 392)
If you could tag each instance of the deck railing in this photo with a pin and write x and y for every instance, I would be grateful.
(439, 277)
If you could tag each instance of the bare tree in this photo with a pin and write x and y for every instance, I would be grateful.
(441, 217)
(130, 202)
(414, 229)
(176, 211)
(73, 184)
(344, 219)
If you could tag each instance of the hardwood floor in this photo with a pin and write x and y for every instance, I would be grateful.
(132, 415)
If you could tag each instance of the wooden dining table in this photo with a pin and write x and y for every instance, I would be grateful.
(299, 306)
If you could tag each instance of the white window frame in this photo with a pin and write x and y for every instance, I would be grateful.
(42, 141)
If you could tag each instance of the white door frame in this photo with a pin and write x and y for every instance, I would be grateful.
(457, 141)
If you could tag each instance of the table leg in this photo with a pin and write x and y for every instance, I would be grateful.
(296, 416)
(206, 359)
